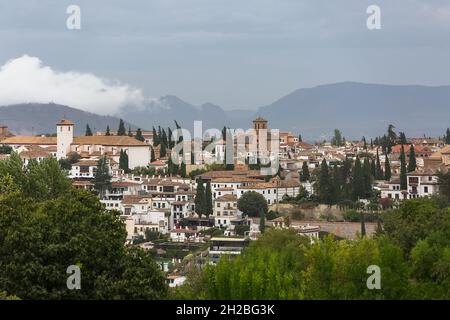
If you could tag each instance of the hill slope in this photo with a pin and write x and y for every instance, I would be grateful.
(35, 118)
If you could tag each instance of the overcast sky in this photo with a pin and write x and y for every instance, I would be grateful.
(234, 53)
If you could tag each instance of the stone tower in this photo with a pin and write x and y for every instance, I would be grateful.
(64, 138)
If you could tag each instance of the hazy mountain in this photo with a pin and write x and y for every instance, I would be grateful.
(34, 118)
(361, 109)
(164, 111)
(356, 109)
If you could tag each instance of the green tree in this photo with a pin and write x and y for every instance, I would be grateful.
(387, 169)
(337, 139)
(155, 138)
(4, 149)
(324, 183)
(183, 173)
(200, 198)
(108, 133)
(402, 138)
(102, 179)
(447, 136)
(444, 185)
(262, 221)
(379, 170)
(208, 200)
(403, 176)
(305, 175)
(88, 131)
(152, 157)
(412, 164)
(40, 239)
(123, 161)
(252, 203)
(130, 134)
(358, 184)
(139, 135)
(121, 130)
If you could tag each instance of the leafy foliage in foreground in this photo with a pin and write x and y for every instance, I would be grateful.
(413, 253)
(46, 226)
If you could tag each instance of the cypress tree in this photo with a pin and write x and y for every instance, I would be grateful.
(139, 135)
(121, 131)
(160, 137)
(363, 224)
(336, 185)
(324, 183)
(387, 169)
(402, 138)
(379, 171)
(200, 201)
(208, 200)
(179, 132)
(102, 178)
(171, 143)
(412, 164)
(358, 180)
(130, 134)
(262, 221)
(300, 138)
(403, 177)
(152, 156)
(373, 169)
(162, 150)
(108, 133)
(155, 138)
(183, 170)
(164, 139)
(123, 161)
(447, 136)
(367, 178)
(305, 175)
(88, 131)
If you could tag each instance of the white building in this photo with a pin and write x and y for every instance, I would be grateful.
(87, 146)
(419, 184)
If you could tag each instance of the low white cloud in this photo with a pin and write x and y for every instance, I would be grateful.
(27, 80)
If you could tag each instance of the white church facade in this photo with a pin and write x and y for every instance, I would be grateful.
(139, 153)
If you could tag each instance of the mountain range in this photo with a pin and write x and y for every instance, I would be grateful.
(357, 109)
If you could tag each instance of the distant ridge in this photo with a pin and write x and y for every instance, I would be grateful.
(357, 109)
(36, 118)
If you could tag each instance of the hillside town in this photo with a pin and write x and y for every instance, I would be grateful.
(195, 212)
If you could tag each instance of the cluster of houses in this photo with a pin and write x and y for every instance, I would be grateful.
(167, 204)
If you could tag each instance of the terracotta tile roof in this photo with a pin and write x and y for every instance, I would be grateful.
(30, 140)
(234, 180)
(124, 184)
(417, 149)
(227, 197)
(33, 154)
(132, 199)
(108, 141)
(445, 150)
(259, 119)
(158, 163)
(65, 122)
(82, 183)
(89, 163)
